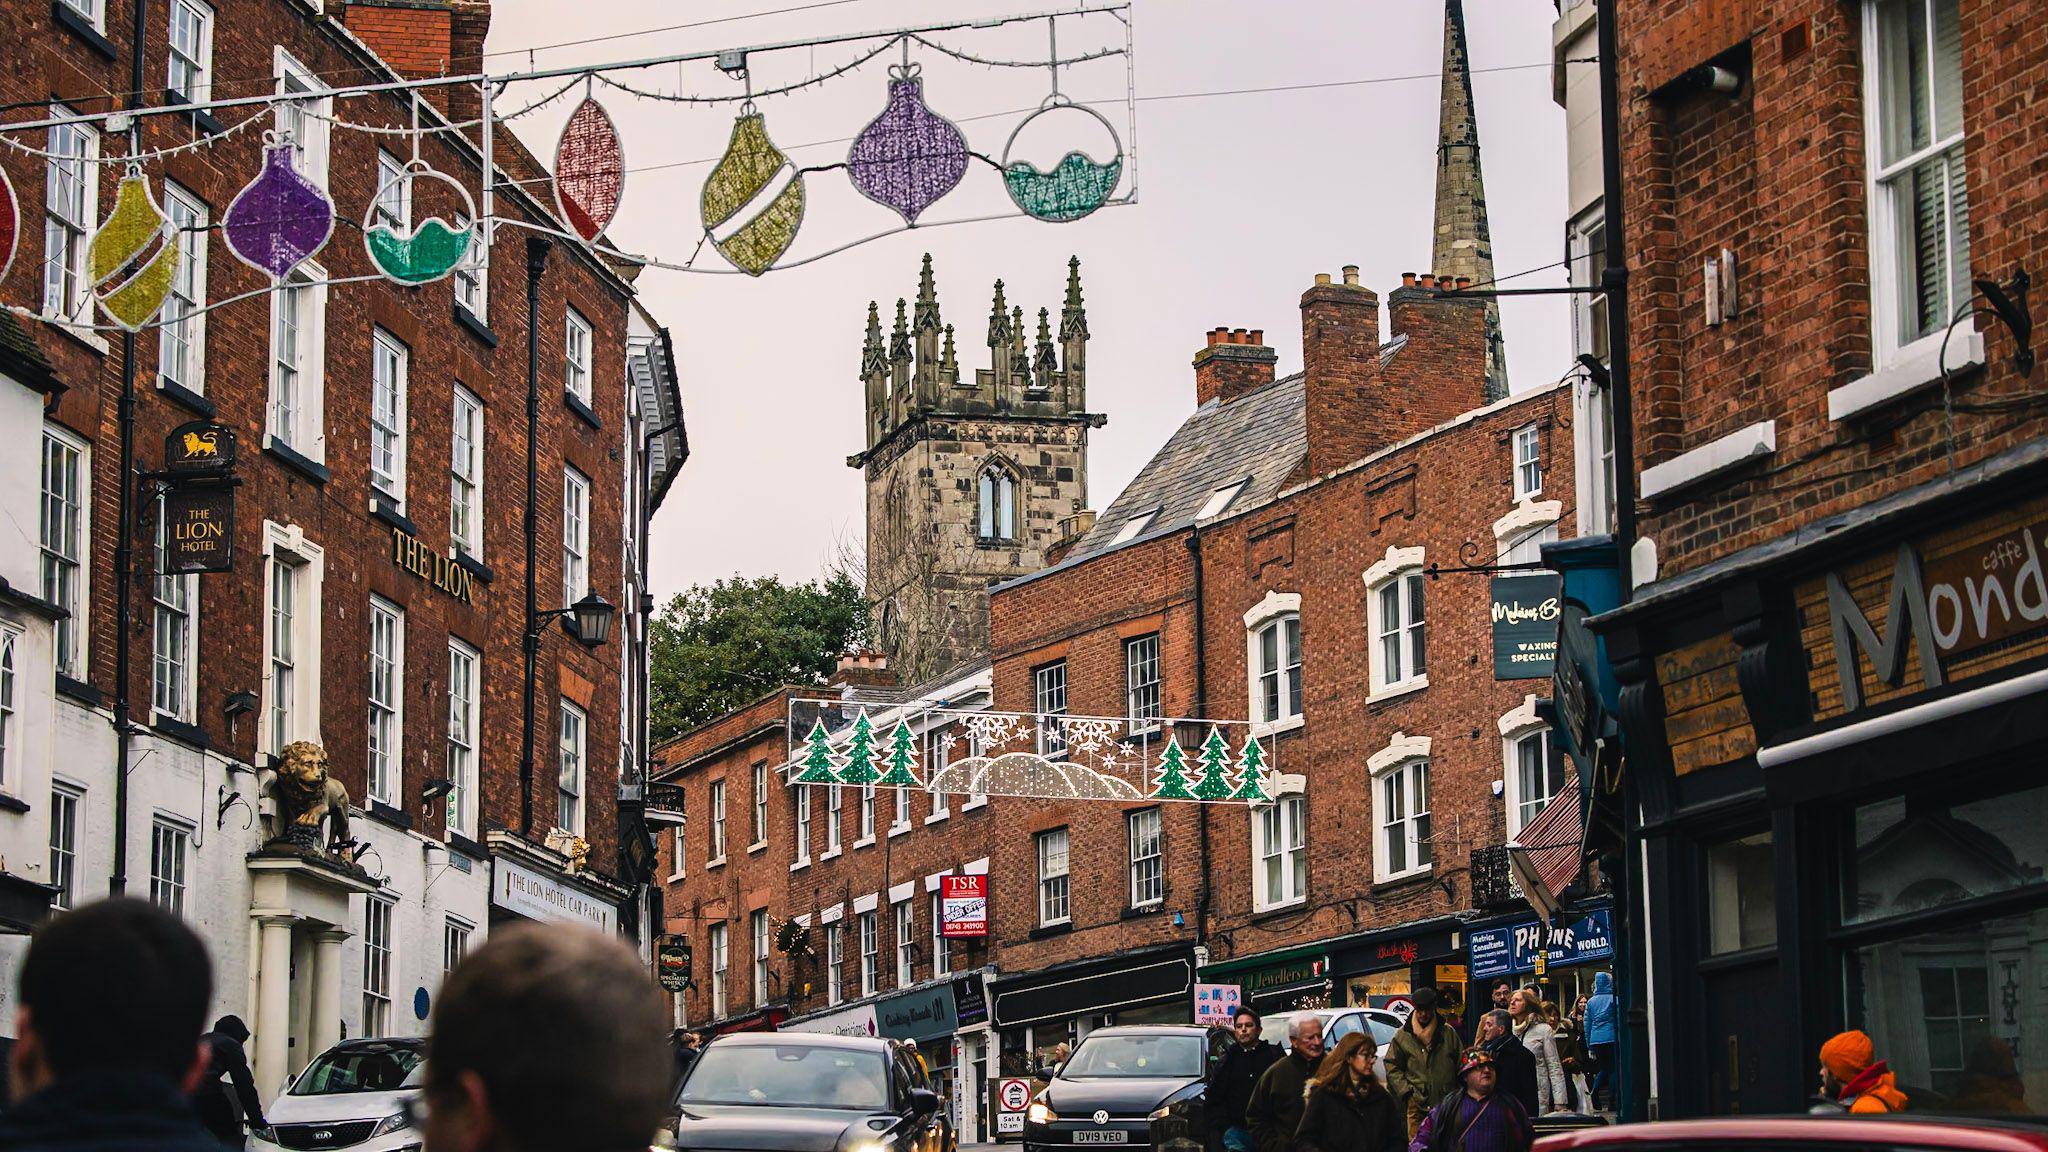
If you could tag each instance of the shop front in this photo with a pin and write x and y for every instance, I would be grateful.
(1040, 1016)
(1561, 958)
(1848, 827)
(1281, 981)
(1383, 968)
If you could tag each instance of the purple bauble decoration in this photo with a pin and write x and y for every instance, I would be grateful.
(280, 218)
(909, 156)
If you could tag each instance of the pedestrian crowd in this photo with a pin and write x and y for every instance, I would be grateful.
(547, 1038)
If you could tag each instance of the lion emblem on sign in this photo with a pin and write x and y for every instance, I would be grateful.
(198, 444)
(307, 795)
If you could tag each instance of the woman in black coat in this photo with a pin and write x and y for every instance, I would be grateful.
(1348, 1110)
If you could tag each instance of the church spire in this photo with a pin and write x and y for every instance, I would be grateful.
(1463, 245)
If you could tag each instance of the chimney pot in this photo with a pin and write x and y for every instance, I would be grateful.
(1351, 275)
(1428, 280)
(1234, 363)
(1464, 282)
(1407, 279)
(1322, 278)
(1258, 336)
(1237, 336)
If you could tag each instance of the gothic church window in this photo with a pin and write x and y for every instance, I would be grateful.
(997, 491)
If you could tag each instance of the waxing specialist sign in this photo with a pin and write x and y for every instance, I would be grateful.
(1525, 612)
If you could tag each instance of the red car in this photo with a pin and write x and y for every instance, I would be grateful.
(1905, 1133)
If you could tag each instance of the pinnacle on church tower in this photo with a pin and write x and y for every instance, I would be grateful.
(1073, 319)
(1046, 363)
(926, 317)
(871, 361)
(1462, 244)
(999, 321)
(899, 337)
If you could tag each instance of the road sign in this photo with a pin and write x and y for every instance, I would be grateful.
(1013, 1096)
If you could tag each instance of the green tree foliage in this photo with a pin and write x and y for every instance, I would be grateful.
(718, 646)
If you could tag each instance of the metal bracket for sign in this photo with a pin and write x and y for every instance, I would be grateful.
(1435, 570)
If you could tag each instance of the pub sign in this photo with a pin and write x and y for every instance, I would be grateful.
(199, 528)
(1525, 614)
(200, 448)
(672, 963)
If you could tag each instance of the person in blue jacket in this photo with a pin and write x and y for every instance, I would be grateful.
(1602, 1032)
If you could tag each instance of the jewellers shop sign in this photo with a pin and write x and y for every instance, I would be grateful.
(1953, 606)
(1525, 613)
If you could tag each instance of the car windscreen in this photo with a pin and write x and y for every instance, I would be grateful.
(362, 1068)
(789, 1075)
(1136, 1056)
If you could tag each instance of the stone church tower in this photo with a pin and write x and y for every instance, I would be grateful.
(1463, 244)
(969, 476)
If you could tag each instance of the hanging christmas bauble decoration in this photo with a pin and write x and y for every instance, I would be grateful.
(10, 224)
(590, 170)
(131, 259)
(428, 250)
(753, 200)
(1075, 186)
(909, 156)
(280, 218)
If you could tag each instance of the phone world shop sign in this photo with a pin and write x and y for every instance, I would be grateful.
(538, 896)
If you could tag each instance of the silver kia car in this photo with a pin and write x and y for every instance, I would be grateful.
(351, 1097)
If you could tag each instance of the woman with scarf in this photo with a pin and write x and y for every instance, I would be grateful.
(1347, 1110)
(1537, 1037)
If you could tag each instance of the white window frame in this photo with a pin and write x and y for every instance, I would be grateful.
(94, 11)
(1273, 614)
(803, 826)
(577, 342)
(296, 416)
(455, 935)
(1516, 727)
(67, 297)
(1407, 759)
(66, 575)
(1145, 835)
(1890, 346)
(835, 959)
(1589, 309)
(717, 845)
(1220, 499)
(380, 945)
(1055, 890)
(721, 956)
(466, 473)
(1134, 525)
(293, 713)
(306, 118)
(1280, 838)
(391, 207)
(575, 535)
(870, 928)
(390, 367)
(465, 671)
(194, 57)
(937, 755)
(1401, 569)
(473, 275)
(385, 755)
(760, 781)
(679, 854)
(1049, 699)
(1528, 461)
(570, 767)
(170, 862)
(835, 818)
(65, 803)
(942, 949)
(182, 339)
(995, 489)
(866, 826)
(8, 678)
(906, 939)
(174, 637)
(1143, 687)
(757, 931)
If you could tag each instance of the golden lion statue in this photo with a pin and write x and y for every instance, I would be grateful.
(306, 795)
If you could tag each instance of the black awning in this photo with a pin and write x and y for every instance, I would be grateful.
(23, 903)
(1103, 985)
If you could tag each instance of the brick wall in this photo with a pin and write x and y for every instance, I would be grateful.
(413, 36)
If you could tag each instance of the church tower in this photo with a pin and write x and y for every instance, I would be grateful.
(1463, 245)
(969, 476)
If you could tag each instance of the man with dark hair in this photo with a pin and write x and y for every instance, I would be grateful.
(112, 999)
(1514, 1065)
(1229, 1091)
(547, 1039)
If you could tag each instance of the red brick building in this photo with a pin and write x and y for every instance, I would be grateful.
(1831, 669)
(375, 606)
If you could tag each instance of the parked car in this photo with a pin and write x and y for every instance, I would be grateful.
(1906, 1132)
(1337, 1024)
(352, 1096)
(1110, 1088)
(806, 1092)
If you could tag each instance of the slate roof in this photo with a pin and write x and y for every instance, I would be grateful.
(22, 359)
(1258, 438)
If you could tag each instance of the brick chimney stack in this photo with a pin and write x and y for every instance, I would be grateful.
(425, 38)
(1340, 360)
(1235, 362)
(1442, 371)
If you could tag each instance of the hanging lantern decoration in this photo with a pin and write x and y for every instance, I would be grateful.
(428, 250)
(752, 222)
(1076, 186)
(590, 170)
(280, 218)
(909, 156)
(10, 224)
(131, 259)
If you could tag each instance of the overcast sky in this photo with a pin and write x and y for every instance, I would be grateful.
(1241, 200)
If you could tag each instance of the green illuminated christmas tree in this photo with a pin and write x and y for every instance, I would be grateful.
(902, 759)
(1214, 783)
(818, 766)
(1173, 776)
(860, 754)
(1251, 782)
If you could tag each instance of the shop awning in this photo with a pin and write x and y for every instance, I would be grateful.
(23, 903)
(1548, 854)
(1278, 956)
(1103, 984)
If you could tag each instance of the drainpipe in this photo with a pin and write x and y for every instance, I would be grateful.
(1201, 711)
(124, 539)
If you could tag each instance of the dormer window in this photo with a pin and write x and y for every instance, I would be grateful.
(1220, 499)
(1136, 525)
(997, 492)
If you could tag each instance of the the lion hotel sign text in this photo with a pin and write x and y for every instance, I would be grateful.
(412, 554)
(538, 896)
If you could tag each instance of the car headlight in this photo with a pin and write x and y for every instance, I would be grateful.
(266, 1134)
(1160, 1113)
(1040, 1113)
(392, 1123)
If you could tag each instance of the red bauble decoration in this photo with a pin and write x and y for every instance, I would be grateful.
(590, 170)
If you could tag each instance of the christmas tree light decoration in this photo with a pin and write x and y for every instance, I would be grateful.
(818, 765)
(427, 251)
(1076, 186)
(590, 170)
(10, 224)
(909, 156)
(134, 255)
(753, 201)
(1251, 783)
(859, 765)
(902, 759)
(280, 218)
(1214, 782)
(1173, 776)
(1027, 774)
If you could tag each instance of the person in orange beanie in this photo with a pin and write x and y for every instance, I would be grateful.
(1852, 1076)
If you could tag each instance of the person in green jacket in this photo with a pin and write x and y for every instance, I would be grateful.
(1274, 1110)
(1422, 1060)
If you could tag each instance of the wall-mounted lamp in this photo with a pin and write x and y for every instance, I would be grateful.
(235, 706)
(433, 790)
